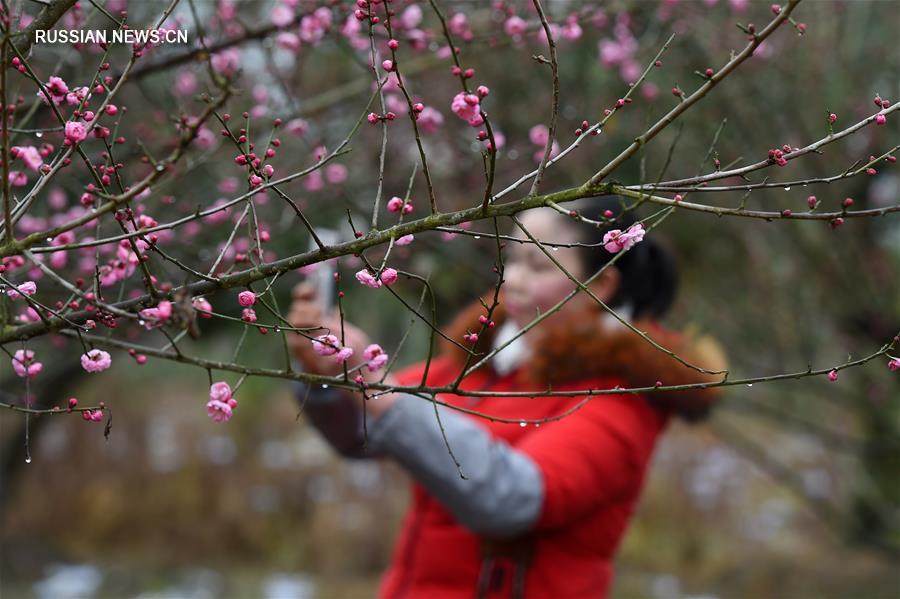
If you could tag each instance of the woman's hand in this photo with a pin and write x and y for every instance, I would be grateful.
(306, 312)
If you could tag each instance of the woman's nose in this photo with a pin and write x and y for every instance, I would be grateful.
(512, 277)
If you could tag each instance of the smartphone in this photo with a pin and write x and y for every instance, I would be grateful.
(323, 276)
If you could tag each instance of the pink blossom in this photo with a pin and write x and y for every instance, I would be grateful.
(515, 26)
(220, 391)
(405, 240)
(395, 204)
(411, 17)
(96, 360)
(161, 313)
(57, 89)
(458, 24)
(366, 278)
(24, 365)
(248, 315)
(30, 156)
(313, 181)
(206, 139)
(466, 107)
(282, 15)
(335, 173)
(894, 364)
(92, 415)
(833, 375)
(389, 276)
(571, 30)
(430, 120)
(202, 305)
(616, 241)
(297, 126)
(288, 41)
(75, 132)
(375, 357)
(26, 288)
(185, 83)
(539, 134)
(227, 61)
(311, 28)
(246, 298)
(219, 411)
(739, 5)
(77, 96)
(343, 354)
(18, 179)
(326, 345)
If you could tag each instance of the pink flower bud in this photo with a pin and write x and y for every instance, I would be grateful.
(387, 65)
(833, 375)
(326, 345)
(389, 276)
(395, 204)
(246, 298)
(880, 119)
(832, 118)
(393, 44)
(776, 9)
(248, 315)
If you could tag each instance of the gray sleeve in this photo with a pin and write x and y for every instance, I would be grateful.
(502, 494)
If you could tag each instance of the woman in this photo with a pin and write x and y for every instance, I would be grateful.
(540, 509)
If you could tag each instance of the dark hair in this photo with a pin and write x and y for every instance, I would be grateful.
(649, 271)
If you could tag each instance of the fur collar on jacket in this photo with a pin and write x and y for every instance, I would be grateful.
(586, 342)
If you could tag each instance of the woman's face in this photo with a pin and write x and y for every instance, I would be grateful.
(533, 282)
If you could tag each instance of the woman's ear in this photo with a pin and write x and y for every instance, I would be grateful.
(607, 284)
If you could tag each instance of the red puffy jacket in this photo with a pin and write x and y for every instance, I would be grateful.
(593, 463)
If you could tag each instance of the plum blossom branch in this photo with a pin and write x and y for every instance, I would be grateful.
(695, 97)
(554, 111)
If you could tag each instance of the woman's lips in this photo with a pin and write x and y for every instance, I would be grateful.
(513, 307)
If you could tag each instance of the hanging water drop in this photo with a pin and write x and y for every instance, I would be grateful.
(749, 384)
(478, 237)
(523, 424)
(28, 459)
(324, 386)
(555, 249)
(39, 134)
(787, 188)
